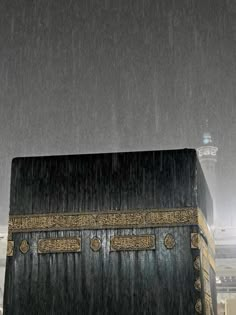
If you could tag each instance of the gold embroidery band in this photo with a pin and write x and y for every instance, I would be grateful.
(198, 242)
(113, 219)
(101, 220)
(59, 245)
(133, 242)
(207, 257)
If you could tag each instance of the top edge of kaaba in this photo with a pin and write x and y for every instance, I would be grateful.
(113, 153)
(109, 181)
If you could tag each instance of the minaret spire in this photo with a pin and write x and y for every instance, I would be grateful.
(207, 154)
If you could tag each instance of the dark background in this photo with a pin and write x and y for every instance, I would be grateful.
(102, 76)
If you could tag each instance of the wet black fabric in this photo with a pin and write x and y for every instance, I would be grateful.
(158, 281)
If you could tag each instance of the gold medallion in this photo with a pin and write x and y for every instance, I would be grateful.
(198, 306)
(169, 241)
(197, 284)
(24, 247)
(197, 263)
(195, 241)
(95, 244)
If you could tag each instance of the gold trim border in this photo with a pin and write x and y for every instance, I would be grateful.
(207, 256)
(59, 245)
(111, 219)
(103, 220)
(133, 242)
(198, 242)
(10, 248)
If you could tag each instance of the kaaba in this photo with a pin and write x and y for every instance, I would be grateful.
(112, 233)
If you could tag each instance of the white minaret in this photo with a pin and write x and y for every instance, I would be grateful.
(3, 250)
(207, 155)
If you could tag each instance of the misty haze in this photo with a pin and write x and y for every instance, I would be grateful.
(116, 76)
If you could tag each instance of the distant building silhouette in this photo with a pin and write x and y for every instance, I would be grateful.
(207, 154)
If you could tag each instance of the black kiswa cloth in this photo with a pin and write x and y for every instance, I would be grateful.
(115, 233)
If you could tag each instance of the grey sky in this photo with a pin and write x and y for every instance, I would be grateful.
(101, 76)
